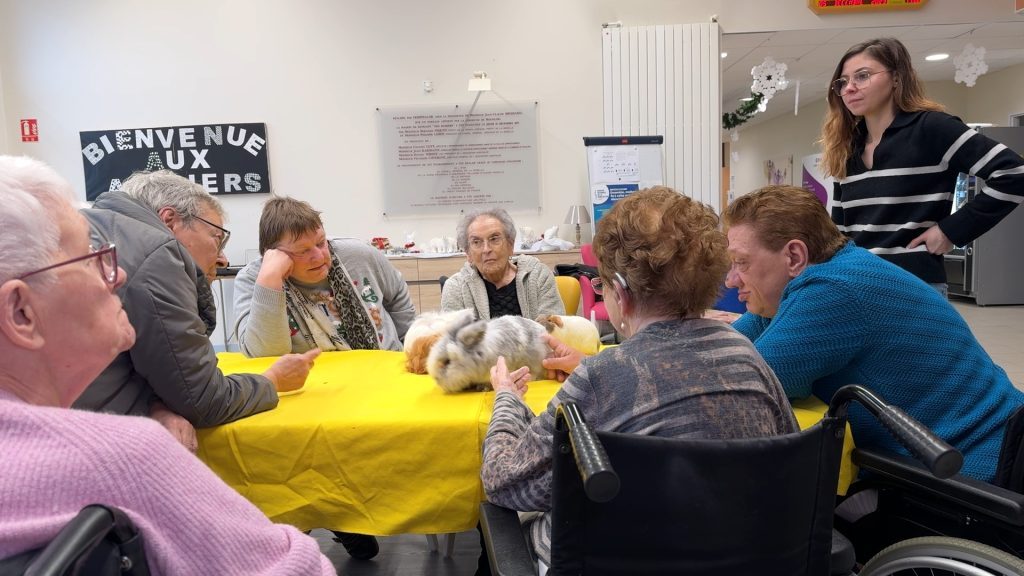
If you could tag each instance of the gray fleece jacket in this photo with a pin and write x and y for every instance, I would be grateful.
(172, 358)
(535, 288)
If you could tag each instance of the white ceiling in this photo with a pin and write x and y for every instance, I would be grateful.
(811, 56)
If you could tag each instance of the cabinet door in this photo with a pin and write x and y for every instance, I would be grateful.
(430, 297)
(407, 267)
(431, 269)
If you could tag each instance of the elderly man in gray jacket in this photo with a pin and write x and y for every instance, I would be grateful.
(169, 236)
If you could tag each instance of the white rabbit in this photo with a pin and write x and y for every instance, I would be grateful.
(426, 330)
(463, 357)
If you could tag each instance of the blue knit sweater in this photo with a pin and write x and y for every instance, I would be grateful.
(857, 319)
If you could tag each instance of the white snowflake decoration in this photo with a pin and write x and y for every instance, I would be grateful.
(769, 77)
(970, 64)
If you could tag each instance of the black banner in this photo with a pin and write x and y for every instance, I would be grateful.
(223, 158)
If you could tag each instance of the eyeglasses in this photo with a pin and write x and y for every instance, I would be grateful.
(599, 287)
(494, 241)
(106, 254)
(226, 233)
(860, 79)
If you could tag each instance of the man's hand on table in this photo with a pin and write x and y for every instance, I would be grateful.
(502, 379)
(562, 360)
(276, 267)
(290, 371)
(180, 428)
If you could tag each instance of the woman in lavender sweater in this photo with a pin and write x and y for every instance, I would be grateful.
(61, 323)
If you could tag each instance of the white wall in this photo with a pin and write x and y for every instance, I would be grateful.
(314, 71)
(3, 117)
(996, 96)
(779, 137)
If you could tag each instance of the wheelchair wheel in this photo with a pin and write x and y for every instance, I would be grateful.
(942, 556)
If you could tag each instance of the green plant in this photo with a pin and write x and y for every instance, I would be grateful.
(731, 120)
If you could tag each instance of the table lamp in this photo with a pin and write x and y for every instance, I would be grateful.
(577, 215)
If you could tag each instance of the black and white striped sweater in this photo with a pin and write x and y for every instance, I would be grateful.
(909, 188)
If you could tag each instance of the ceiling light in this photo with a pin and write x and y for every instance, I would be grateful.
(747, 99)
(936, 57)
(724, 54)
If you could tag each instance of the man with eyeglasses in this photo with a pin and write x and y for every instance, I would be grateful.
(170, 237)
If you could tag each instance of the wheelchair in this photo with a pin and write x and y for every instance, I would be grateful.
(752, 506)
(99, 541)
(928, 525)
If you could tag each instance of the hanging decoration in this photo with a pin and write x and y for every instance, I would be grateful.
(746, 110)
(769, 77)
(970, 64)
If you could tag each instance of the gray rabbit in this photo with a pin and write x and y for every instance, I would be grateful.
(463, 357)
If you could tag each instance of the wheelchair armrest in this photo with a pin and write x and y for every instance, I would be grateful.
(80, 534)
(982, 497)
(507, 550)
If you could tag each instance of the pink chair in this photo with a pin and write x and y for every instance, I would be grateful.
(593, 309)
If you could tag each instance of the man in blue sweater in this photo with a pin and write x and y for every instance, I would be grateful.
(825, 313)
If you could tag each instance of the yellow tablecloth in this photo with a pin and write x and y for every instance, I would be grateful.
(366, 447)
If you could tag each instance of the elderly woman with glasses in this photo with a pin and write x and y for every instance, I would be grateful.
(493, 282)
(896, 158)
(61, 324)
(661, 258)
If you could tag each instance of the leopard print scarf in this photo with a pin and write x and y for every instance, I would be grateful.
(355, 330)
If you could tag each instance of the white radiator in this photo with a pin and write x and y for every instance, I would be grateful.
(664, 80)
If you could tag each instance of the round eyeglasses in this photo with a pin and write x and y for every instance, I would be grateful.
(493, 242)
(860, 79)
(106, 254)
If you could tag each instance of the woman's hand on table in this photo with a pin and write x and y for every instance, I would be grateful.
(562, 360)
(290, 371)
(503, 380)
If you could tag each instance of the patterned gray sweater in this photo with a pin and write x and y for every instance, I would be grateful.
(692, 378)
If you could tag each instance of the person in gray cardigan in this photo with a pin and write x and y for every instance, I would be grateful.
(307, 292)
(493, 282)
(169, 236)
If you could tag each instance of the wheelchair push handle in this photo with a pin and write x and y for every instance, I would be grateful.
(942, 459)
(600, 482)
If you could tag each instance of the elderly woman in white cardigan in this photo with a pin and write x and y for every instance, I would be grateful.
(493, 282)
